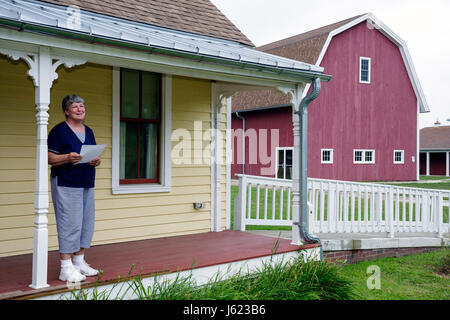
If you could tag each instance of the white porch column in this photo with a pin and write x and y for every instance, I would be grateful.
(41, 198)
(428, 163)
(44, 75)
(218, 102)
(447, 164)
(296, 97)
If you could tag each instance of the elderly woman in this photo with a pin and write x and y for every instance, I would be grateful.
(72, 187)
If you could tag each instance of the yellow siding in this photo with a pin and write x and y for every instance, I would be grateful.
(118, 217)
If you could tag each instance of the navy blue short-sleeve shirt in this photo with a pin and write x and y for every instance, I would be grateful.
(62, 140)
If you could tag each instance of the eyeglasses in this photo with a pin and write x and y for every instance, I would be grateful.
(76, 107)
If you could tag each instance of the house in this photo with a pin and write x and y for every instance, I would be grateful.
(435, 150)
(364, 124)
(185, 58)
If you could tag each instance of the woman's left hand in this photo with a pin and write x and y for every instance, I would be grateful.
(95, 162)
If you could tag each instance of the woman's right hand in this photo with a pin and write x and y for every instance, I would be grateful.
(74, 157)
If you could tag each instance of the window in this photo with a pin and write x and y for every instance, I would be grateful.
(364, 70)
(363, 156)
(399, 156)
(140, 122)
(327, 155)
(284, 163)
(141, 131)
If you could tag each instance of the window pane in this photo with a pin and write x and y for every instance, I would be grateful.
(280, 157)
(128, 150)
(326, 155)
(369, 156)
(358, 156)
(151, 83)
(364, 76)
(288, 172)
(130, 93)
(280, 172)
(149, 151)
(365, 65)
(288, 157)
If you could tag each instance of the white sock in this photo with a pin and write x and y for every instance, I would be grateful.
(66, 263)
(78, 259)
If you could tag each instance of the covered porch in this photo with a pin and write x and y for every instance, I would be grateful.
(205, 254)
(197, 79)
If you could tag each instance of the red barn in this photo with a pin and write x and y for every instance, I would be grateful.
(364, 124)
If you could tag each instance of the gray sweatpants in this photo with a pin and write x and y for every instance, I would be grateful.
(75, 216)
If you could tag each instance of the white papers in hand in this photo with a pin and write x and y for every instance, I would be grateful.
(90, 152)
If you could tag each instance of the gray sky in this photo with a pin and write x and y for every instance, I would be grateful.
(422, 24)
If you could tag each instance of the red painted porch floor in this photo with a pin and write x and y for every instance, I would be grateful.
(170, 254)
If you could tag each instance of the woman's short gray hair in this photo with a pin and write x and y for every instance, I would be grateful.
(68, 100)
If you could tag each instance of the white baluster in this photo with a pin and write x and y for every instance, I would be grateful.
(249, 201)
(273, 202)
(258, 188)
(322, 209)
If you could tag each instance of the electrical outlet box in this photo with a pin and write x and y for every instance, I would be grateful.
(198, 205)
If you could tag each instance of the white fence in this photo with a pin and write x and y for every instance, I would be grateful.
(343, 206)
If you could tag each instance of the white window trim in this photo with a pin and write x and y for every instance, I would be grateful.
(331, 156)
(403, 157)
(276, 160)
(165, 143)
(369, 71)
(363, 158)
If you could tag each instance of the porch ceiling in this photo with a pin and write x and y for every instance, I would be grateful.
(45, 18)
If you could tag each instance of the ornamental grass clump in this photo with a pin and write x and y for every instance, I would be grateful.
(294, 280)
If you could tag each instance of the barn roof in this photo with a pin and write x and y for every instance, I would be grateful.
(195, 16)
(435, 138)
(310, 47)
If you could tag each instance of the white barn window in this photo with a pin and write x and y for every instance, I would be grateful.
(326, 155)
(399, 156)
(364, 70)
(363, 156)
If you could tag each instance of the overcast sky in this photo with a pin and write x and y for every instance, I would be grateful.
(424, 25)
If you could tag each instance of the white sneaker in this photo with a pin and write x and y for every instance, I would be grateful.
(86, 270)
(71, 274)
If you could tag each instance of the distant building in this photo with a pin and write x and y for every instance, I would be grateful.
(435, 150)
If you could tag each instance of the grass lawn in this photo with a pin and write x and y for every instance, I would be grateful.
(414, 277)
(433, 177)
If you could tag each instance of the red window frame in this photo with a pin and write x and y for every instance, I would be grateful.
(140, 121)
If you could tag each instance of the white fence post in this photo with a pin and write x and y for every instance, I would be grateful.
(389, 212)
(240, 205)
(438, 214)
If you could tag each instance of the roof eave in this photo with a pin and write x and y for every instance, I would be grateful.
(292, 75)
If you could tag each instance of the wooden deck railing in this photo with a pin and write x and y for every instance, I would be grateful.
(343, 207)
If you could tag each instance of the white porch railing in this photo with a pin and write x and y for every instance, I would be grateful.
(343, 206)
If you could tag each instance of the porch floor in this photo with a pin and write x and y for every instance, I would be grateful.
(170, 254)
